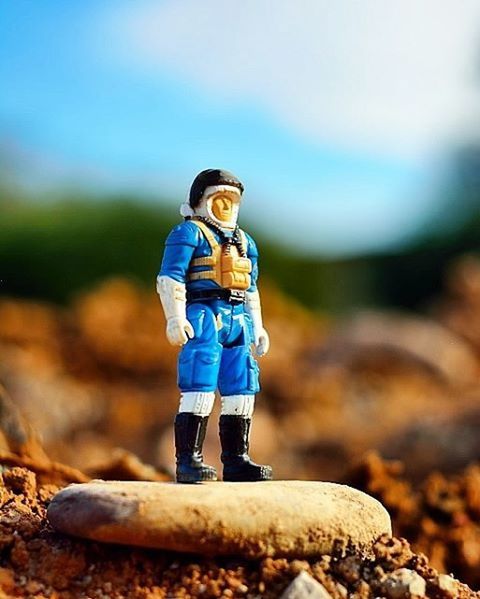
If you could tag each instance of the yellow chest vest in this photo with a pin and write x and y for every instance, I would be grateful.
(225, 265)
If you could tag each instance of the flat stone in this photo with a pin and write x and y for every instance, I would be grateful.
(275, 518)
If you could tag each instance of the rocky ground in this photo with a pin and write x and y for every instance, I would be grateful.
(37, 562)
(97, 381)
(100, 374)
(440, 516)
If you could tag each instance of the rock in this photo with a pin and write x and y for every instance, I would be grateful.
(429, 342)
(446, 586)
(305, 586)
(125, 465)
(277, 518)
(7, 580)
(404, 584)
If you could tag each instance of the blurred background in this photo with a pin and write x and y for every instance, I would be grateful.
(355, 128)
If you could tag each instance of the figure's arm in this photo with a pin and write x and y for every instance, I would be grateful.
(254, 308)
(171, 280)
(253, 305)
(172, 296)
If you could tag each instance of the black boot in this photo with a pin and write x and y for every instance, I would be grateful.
(189, 436)
(237, 466)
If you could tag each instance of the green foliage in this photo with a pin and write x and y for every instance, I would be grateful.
(412, 278)
(54, 250)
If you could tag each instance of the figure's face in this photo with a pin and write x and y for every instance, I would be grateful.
(221, 203)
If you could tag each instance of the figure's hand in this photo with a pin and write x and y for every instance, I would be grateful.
(179, 330)
(262, 342)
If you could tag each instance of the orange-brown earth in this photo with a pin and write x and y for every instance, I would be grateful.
(100, 375)
(97, 381)
(440, 516)
(37, 562)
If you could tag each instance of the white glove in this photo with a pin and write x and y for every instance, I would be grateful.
(179, 330)
(261, 340)
(173, 297)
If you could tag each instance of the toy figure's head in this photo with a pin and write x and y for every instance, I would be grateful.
(215, 194)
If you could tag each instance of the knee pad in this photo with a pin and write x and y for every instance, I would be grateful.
(199, 403)
(238, 405)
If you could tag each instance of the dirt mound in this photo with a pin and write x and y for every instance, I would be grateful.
(100, 374)
(440, 517)
(36, 562)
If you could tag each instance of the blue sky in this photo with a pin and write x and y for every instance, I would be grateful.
(337, 121)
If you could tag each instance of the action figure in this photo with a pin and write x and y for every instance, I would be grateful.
(208, 289)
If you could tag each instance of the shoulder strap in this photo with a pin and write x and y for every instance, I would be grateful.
(205, 229)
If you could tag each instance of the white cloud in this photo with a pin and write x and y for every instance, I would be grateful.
(394, 76)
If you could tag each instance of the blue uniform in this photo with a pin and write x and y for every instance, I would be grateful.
(219, 355)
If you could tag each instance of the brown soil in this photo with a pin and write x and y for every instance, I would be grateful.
(37, 562)
(99, 375)
(440, 517)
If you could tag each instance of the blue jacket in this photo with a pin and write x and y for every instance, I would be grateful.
(185, 242)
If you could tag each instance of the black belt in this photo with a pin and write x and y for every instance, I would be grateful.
(233, 296)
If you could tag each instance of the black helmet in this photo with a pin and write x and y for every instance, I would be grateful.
(209, 177)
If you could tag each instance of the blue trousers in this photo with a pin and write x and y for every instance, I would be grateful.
(220, 355)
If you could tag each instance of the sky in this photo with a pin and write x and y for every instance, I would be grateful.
(339, 117)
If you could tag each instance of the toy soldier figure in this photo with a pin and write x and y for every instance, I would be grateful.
(208, 289)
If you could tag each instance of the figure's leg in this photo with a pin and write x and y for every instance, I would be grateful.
(190, 429)
(238, 383)
(198, 366)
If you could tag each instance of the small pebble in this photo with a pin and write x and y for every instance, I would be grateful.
(305, 586)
